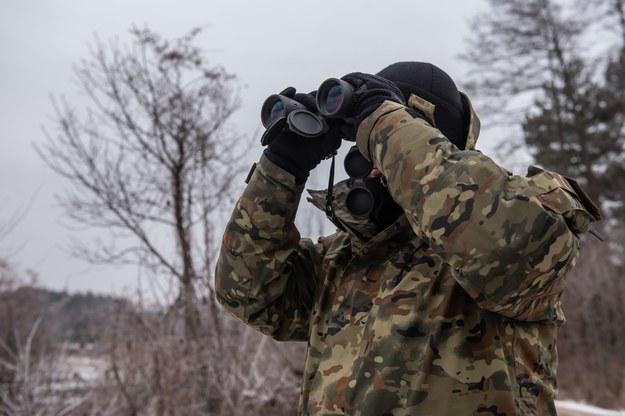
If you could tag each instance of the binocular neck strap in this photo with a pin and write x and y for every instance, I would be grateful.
(329, 196)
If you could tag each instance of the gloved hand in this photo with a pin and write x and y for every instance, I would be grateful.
(370, 91)
(299, 155)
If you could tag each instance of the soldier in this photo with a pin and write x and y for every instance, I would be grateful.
(445, 298)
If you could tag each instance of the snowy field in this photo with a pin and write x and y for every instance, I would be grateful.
(568, 408)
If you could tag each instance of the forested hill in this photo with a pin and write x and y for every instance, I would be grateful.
(78, 318)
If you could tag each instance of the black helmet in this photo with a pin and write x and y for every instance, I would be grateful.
(452, 111)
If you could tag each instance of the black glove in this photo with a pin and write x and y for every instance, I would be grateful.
(370, 91)
(299, 155)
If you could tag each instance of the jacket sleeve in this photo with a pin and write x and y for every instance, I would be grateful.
(510, 240)
(266, 275)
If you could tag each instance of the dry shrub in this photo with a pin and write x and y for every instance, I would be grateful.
(34, 377)
(228, 370)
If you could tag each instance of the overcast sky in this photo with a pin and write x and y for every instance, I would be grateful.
(268, 44)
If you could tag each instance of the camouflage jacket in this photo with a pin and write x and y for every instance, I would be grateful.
(452, 310)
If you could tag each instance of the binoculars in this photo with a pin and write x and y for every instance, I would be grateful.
(334, 99)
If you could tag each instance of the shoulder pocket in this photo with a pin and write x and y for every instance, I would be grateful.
(566, 197)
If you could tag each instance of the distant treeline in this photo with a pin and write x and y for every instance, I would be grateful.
(81, 318)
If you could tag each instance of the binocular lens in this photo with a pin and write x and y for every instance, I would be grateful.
(277, 110)
(273, 108)
(334, 99)
(277, 106)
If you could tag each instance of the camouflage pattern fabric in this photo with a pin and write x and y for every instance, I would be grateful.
(452, 310)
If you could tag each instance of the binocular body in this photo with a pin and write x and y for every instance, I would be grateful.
(334, 99)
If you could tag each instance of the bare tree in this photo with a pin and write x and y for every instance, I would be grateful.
(516, 49)
(519, 51)
(610, 14)
(152, 159)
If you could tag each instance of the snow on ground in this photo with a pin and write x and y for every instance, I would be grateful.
(569, 408)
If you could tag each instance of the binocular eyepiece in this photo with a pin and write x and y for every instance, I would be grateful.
(356, 165)
(359, 200)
